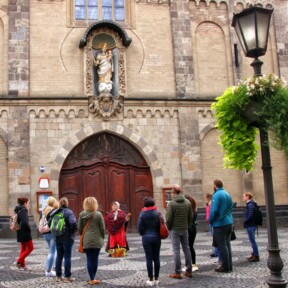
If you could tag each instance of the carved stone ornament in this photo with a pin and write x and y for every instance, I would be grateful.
(104, 44)
(105, 105)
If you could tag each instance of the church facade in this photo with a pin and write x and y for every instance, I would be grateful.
(112, 99)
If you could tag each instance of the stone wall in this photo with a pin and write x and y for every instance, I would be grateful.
(19, 32)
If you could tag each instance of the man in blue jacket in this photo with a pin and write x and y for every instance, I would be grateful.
(221, 219)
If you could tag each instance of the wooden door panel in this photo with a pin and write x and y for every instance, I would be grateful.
(70, 185)
(141, 187)
(94, 185)
(117, 186)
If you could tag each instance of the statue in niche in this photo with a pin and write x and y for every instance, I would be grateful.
(106, 100)
(104, 63)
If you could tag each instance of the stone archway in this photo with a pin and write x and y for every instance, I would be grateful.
(109, 168)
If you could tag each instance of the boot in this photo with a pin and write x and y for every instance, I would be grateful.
(254, 259)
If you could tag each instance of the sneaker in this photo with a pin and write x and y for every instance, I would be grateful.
(156, 282)
(149, 283)
(187, 274)
(195, 268)
(17, 264)
(69, 279)
(26, 268)
(50, 274)
(175, 276)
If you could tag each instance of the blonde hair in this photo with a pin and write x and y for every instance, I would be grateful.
(90, 204)
(52, 203)
(248, 194)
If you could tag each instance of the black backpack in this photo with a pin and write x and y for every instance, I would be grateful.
(258, 215)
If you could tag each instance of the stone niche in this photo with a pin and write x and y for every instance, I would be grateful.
(105, 43)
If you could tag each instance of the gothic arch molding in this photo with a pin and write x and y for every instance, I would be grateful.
(206, 130)
(127, 134)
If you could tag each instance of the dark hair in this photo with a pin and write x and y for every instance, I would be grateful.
(149, 202)
(22, 200)
(63, 202)
(218, 183)
(193, 202)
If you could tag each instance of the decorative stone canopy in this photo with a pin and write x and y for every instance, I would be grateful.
(126, 40)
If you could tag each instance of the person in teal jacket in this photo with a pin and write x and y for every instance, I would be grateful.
(221, 219)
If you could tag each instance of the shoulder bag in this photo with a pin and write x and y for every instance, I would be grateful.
(164, 233)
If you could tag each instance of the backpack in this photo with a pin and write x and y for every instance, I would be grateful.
(57, 226)
(14, 225)
(43, 225)
(258, 216)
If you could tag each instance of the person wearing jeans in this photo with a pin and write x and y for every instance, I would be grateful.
(149, 228)
(221, 219)
(179, 218)
(51, 243)
(91, 223)
(250, 225)
(52, 204)
(64, 243)
(24, 234)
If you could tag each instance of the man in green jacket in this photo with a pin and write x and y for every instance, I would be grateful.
(178, 218)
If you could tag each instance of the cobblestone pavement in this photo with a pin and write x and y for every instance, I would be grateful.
(131, 270)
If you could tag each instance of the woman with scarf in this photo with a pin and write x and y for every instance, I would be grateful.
(117, 244)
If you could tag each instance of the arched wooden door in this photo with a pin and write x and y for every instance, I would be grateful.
(109, 168)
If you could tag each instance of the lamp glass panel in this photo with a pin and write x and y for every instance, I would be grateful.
(238, 31)
(247, 23)
(263, 28)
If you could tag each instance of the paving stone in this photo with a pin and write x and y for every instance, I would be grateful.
(131, 270)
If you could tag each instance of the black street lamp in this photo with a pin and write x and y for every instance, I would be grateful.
(252, 28)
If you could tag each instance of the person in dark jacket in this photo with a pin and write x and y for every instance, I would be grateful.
(149, 227)
(64, 243)
(250, 225)
(94, 236)
(52, 204)
(179, 217)
(24, 234)
(192, 232)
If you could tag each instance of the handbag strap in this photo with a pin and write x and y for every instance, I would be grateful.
(86, 226)
(161, 217)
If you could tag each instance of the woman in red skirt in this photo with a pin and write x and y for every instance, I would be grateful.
(115, 222)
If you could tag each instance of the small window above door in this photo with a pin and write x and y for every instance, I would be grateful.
(85, 12)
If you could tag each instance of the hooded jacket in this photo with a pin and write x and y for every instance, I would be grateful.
(24, 234)
(94, 236)
(179, 213)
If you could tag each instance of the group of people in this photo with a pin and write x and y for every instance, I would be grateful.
(90, 222)
(181, 220)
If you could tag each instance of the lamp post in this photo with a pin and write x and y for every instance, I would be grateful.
(252, 28)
